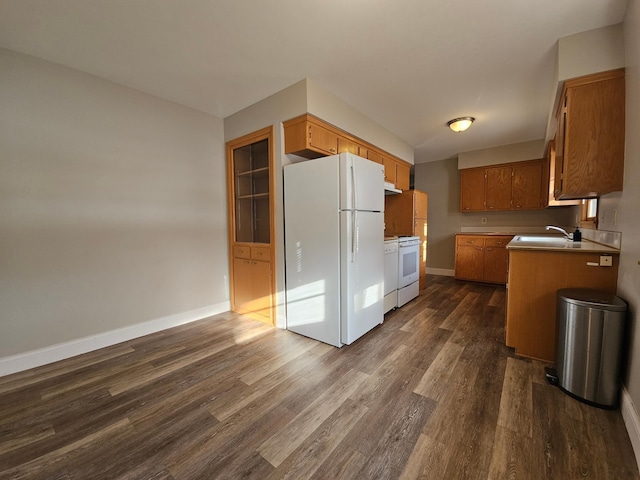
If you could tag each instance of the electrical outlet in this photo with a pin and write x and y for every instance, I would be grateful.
(484, 220)
(606, 261)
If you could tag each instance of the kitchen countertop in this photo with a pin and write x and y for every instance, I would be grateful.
(486, 234)
(557, 243)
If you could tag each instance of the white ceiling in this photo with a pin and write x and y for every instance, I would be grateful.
(410, 65)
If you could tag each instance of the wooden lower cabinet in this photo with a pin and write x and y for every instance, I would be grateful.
(482, 258)
(534, 278)
(470, 263)
(252, 288)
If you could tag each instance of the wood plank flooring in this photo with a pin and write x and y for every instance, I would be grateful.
(432, 393)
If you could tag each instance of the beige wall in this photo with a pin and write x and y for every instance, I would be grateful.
(629, 205)
(112, 207)
(516, 152)
(441, 180)
(327, 106)
(592, 51)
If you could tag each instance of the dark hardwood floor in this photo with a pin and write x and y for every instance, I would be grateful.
(432, 393)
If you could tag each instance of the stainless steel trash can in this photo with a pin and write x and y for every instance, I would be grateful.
(590, 329)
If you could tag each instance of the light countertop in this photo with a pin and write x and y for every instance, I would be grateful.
(557, 243)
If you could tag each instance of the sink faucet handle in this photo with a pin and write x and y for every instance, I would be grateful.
(561, 230)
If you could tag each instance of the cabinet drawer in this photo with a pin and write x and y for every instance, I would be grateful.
(469, 240)
(260, 253)
(497, 241)
(241, 251)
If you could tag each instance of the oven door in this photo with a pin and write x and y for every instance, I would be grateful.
(408, 264)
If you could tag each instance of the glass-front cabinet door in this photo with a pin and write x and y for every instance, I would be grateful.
(251, 242)
(251, 184)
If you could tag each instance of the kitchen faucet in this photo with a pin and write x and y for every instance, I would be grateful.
(561, 230)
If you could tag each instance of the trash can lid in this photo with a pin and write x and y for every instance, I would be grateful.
(593, 298)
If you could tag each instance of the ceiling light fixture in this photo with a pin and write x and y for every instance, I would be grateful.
(460, 124)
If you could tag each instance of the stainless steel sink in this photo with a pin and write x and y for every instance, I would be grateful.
(554, 239)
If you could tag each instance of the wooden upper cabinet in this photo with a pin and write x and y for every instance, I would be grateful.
(311, 137)
(472, 190)
(527, 188)
(322, 139)
(378, 158)
(498, 188)
(550, 199)
(403, 174)
(513, 186)
(347, 145)
(590, 136)
(389, 169)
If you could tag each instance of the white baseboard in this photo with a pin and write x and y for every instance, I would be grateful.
(632, 422)
(60, 351)
(445, 272)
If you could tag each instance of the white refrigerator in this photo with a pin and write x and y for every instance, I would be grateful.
(334, 247)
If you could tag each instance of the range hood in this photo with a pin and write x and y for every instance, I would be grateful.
(390, 189)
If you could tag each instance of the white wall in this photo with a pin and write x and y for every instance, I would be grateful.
(589, 52)
(515, 152)
(629, 205)
(273, 110)
(112, 208)
(327, 106)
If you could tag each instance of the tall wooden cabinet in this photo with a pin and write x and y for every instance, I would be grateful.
(406, 214)
(250, 180)
(589, 145)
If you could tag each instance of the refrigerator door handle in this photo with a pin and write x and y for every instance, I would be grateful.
(353, 186)
(354, 226)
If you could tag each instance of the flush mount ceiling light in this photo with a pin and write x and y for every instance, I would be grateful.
(460, 124)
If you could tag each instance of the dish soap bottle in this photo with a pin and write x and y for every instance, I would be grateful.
(577, 235)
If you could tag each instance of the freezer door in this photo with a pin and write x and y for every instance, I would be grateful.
(361, 184)
(312, 246)
(362, 272)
